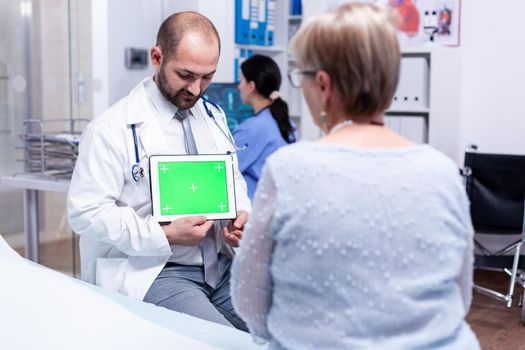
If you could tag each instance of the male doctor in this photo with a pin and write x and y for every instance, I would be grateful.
(122, 247)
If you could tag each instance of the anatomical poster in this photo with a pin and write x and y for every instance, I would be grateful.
(428, 21)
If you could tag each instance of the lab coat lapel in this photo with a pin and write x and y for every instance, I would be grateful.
(149, 131)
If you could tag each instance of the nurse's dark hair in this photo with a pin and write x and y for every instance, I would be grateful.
(264, 72)
(175, 26)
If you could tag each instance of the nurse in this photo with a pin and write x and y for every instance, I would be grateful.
(270, 128)
(123, 248)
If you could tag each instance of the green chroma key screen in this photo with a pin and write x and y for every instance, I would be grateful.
(193, 187)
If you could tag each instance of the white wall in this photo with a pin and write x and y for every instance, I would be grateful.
(493, 76)
(118, 24)
(131, 23)
(222, 14)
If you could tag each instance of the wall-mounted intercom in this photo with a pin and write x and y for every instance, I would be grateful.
(136, 58)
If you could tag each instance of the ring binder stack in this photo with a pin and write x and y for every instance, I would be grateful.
(255, 21)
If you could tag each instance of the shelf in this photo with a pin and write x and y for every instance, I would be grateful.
(426, 49)
(260, 48)
(415, 49)
(408, 112)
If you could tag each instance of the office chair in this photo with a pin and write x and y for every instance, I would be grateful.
(495, 185)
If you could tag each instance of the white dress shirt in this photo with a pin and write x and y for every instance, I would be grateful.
(174, 136)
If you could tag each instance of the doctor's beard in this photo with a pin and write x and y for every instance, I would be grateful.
(182, 98)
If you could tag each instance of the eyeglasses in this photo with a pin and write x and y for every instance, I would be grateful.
(296, 76)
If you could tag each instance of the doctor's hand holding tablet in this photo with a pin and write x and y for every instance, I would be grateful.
(188, 231)
(191, 191)
(233, 233)
(191, 230)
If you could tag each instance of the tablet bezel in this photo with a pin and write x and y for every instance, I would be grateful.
(154, 160)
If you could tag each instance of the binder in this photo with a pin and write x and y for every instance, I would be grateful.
(412, 90)
(240, 56)
(261, 19)
(254, 21)
(242, 21)
(296, 8)
(236, 65)
(270, 22)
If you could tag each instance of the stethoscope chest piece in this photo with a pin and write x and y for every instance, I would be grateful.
(137, 172)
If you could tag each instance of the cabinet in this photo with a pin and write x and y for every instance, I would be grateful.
(285, 25)
(426, 105)
(430, 81)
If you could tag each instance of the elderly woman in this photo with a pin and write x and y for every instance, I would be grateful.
(361, 239)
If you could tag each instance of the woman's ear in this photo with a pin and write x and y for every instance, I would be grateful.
(326, 89)
(251, 86)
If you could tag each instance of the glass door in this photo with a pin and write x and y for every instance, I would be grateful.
(15, 106)
(45, 66)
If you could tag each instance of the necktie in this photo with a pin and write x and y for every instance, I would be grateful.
(209, 245)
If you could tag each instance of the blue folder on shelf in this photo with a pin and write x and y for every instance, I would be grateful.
(258, 22)
(270, 22)
(261, 21)
(254, 21)
(296, 8)
(240, 56)
(242, 21)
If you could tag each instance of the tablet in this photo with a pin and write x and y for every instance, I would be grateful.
(186, 185)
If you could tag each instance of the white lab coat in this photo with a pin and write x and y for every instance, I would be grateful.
(122, 247)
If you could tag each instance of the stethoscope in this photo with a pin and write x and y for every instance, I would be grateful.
(137, 172)
(228, 136)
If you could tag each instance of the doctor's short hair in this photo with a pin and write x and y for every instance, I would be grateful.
(356, 44)
(175, 26)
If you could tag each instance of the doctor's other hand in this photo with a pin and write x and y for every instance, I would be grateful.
(189, 231)
(233, 233)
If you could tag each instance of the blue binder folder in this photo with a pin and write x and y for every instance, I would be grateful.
(296, 8)
(242, 21)
(257, 22)
(270, 22)
(240, 56)
(261, 19)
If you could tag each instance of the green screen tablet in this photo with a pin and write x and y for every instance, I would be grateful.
(186, 185)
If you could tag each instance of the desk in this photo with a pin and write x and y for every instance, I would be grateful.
(31, 183)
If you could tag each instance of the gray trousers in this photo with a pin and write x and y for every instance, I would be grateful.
(182, 288)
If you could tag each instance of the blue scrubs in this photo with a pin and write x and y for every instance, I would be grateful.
(262, 135)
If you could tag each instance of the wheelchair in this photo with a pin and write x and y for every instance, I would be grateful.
(495, 185)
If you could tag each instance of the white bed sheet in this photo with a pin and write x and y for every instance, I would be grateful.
(44, 309)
